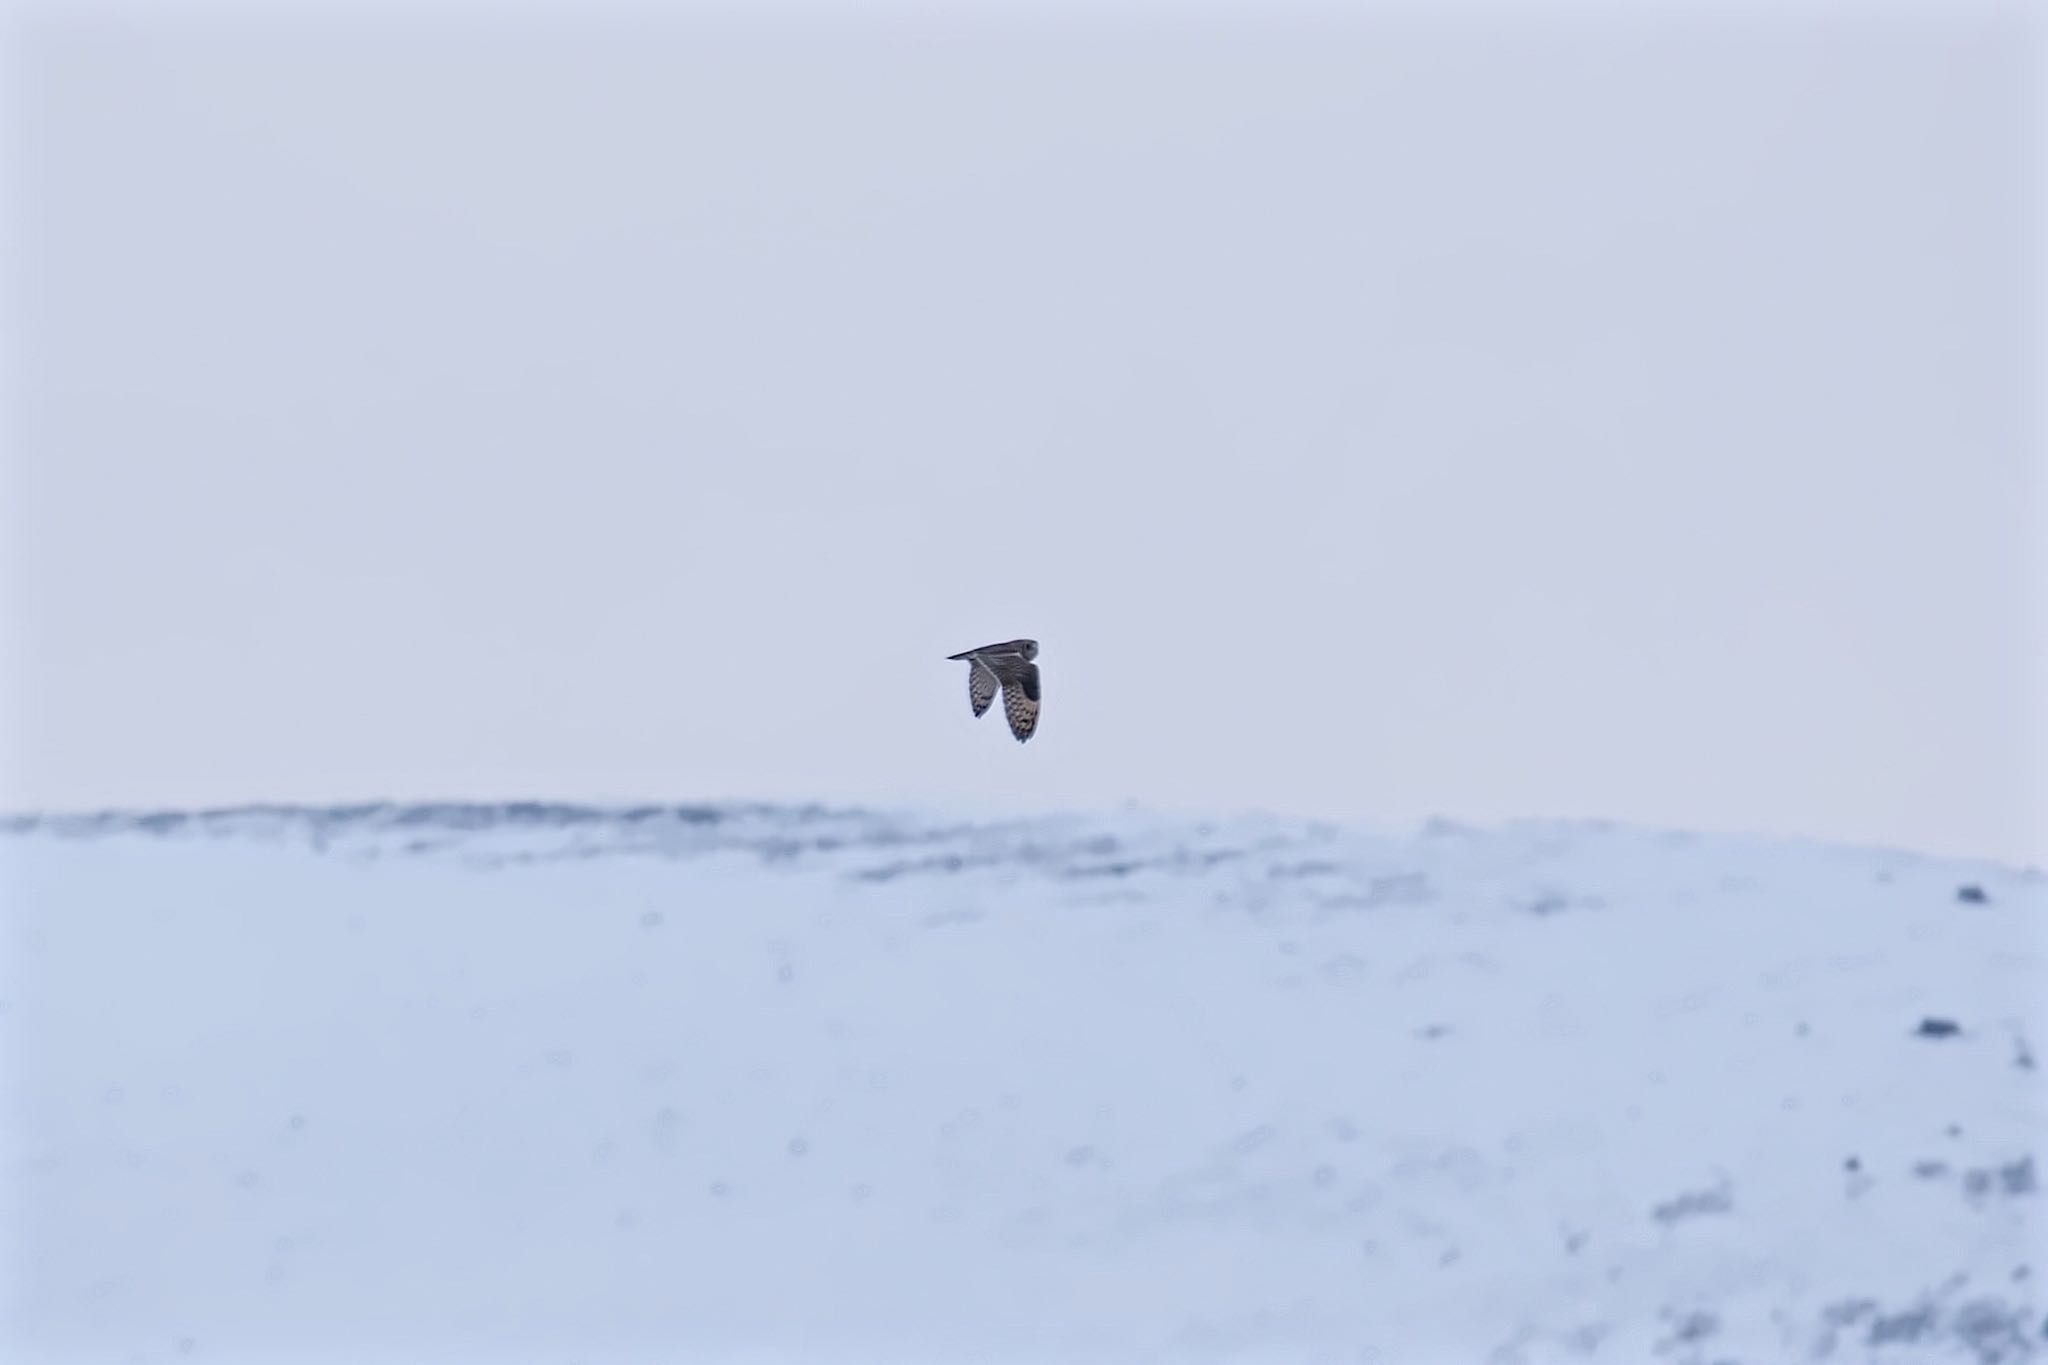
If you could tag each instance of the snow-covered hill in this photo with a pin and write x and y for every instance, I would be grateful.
(546, 1083)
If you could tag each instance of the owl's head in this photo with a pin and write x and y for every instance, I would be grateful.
(1029, 648)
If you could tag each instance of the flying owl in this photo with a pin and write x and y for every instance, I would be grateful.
(1007, 666)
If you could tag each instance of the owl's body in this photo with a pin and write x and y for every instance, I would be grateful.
(1007, 668)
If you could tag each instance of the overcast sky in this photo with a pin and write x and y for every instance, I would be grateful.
(1383, 415)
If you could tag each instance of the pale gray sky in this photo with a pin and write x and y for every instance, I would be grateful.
(1546, 413)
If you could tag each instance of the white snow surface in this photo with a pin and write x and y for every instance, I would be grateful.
(535, 1083)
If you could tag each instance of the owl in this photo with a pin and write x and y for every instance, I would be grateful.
(1009, 667)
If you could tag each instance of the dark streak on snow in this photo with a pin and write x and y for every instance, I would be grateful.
(1695, 1204)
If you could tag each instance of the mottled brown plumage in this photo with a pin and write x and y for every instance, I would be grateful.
(1008, 667)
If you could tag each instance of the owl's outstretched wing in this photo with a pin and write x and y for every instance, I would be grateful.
(1020, 698)
(981, 685)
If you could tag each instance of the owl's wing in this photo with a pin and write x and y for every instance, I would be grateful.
(981, 685)
(1020, 698)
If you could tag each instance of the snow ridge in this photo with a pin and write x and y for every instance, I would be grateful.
(538, 1081)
